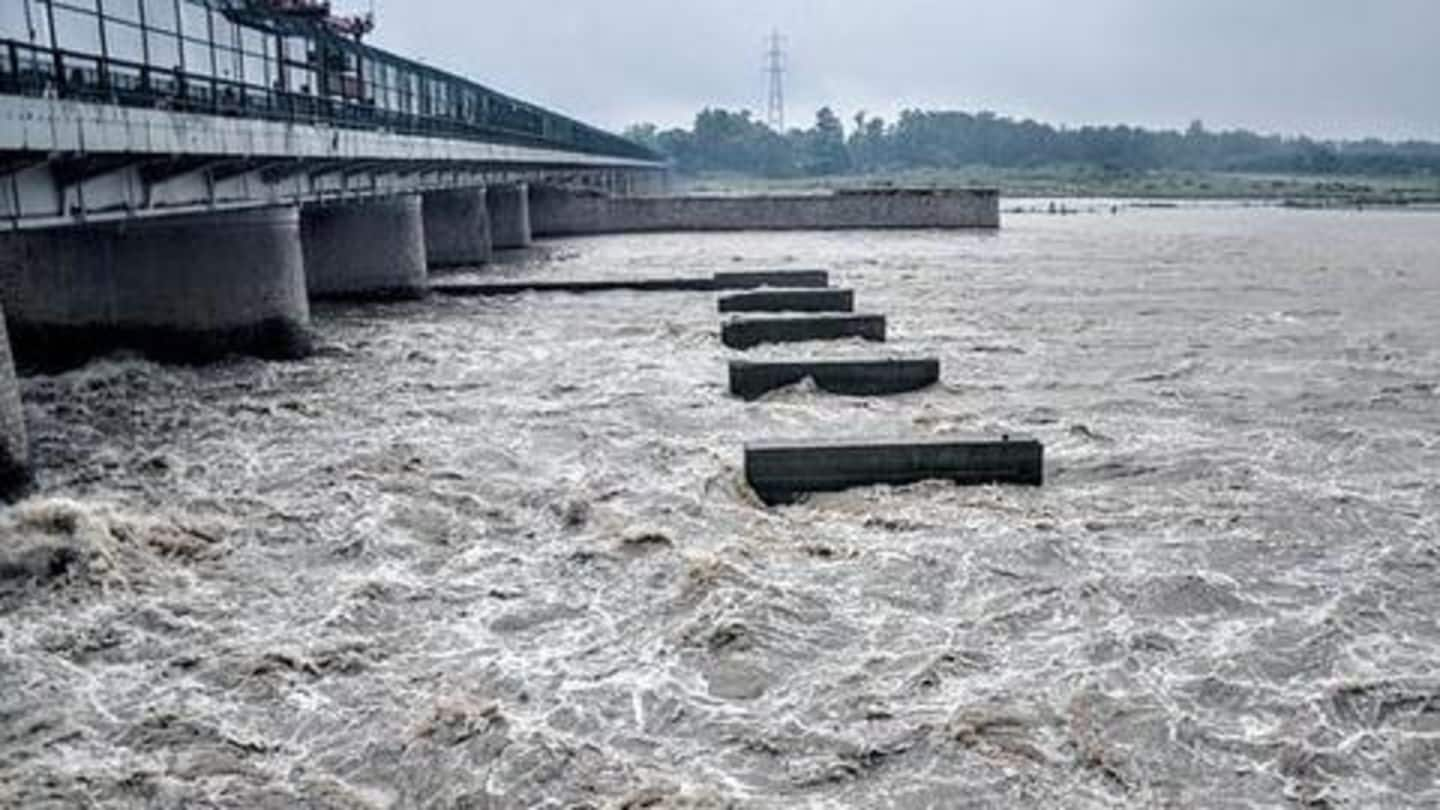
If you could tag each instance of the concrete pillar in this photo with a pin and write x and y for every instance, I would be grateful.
(547, 209)
(860, 378)
(14, 455)
(758, 279)
(829, 300)
(747, 333)
(185, 288)
(365, 249)
(457, 227)
(510, 215)
(782, 472)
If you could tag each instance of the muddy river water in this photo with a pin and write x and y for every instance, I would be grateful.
(500, 553)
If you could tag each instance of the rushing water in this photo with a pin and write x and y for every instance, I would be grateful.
(499, 553)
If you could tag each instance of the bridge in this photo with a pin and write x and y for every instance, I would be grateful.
(182, 177)
(118, 109)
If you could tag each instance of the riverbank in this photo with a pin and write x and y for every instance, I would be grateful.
(1094, 182)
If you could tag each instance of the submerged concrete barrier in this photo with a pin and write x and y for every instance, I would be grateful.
(755, 279)
(747, 333)
(827, 300)
(365, 249)
(563, 212)
(783, 472)
(849, 377)
(14, 450)
(575, 287)
(457, 227)
(187, 288)
(721, 281)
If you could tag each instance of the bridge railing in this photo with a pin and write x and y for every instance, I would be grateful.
(296, 74)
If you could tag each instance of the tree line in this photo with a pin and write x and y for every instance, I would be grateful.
(734, 141)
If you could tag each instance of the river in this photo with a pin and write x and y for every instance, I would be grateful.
(500, 553)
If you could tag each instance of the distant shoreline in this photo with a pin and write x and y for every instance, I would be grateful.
(1074, 183)
(1059, 205)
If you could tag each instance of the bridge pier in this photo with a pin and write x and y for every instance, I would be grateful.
(14, 456)
(510, 215)
(187, 288)
(457, 227)
(365, 249)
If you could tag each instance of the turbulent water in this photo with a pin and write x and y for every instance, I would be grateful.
(500, 553)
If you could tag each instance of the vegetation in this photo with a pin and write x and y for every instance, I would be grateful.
(935, 147)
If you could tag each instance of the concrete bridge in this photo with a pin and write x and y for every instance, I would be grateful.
(183, 176)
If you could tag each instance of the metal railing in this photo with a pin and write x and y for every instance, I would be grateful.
(306, 75)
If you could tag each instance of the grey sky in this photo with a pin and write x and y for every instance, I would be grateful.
(1333, 68)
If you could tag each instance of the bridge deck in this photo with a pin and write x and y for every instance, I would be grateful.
(223, 104)
(237, 58)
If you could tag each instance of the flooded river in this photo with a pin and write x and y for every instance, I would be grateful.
(500, 553)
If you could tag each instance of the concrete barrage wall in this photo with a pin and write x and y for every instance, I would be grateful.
(560, 212)
(510, 223)
(14, 455)
(457, 227)
(190, 288)
(365, 249)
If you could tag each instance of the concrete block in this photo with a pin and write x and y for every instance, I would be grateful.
(751, 280)
(850, 377)
(747, 333)
(14, 451)
(559, 212)
(457, 227)
(188, 288)
(509, 207)
(574, 287)
(827, 300)
(365, 249)
(805, 279)
(783, 472)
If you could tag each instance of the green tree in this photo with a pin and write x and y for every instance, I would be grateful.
(733, 141)
(825, 150)
(647, 135)
(867, 143)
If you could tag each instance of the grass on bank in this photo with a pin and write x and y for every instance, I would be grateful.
(1092, 181)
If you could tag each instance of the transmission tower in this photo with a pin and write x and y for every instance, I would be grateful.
(775, 69)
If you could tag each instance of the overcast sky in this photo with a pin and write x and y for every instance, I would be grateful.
(1331, 68)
